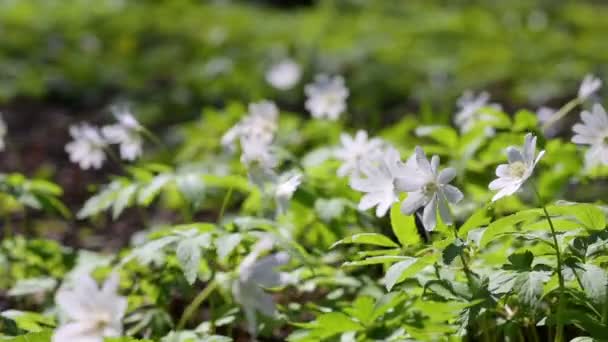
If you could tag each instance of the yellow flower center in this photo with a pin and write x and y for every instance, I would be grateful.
(430, 188)
(517, 169)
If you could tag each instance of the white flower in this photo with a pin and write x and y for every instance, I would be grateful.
(326, 97)
(3, 131)
(470, 106)
(521, 164)
(594, 132)
(379, 183)
(93, 313)
(287, 184)
(260, 123)
(284, 75)
(255, 275)
(258, 157)
(589, 86)
(428, 187)
(87, 148)
(127, 133)
(354, 150)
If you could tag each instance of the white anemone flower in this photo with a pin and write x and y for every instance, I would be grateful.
(259, 159)
(428, 187)
(3, 131)
(87, 148)
(284, 75)
(287, 184)
(469, 109)
(260, 123)
(594, 132)
(521, 164)
(127, 133)
(326, 97)
(380, 181)
(255, 274)
(589, 86)
(92, 313)
(354, 150)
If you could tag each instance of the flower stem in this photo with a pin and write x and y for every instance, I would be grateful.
(561, 113)
(559, 333)
(198, 300)
(224, 204)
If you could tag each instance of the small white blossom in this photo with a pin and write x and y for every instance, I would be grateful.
(284, 75)
(259, 158)
(3, 131)
(87, 148)
(326, 97)
(589, 86)
(379, 182)
(521, 164)
(92, 313)
(428, 187)
(260, 123)
(469, 109)
(256, 274)
(354, 150)
(287, 184)
(127, 133)
(594, 132)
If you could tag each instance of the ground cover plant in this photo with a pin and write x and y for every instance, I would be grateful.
(289, 213)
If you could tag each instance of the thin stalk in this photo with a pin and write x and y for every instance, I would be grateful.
(198, 300)
(224, 204)
(561, 113)
(559, 333)
(465, 265)
(152, 137)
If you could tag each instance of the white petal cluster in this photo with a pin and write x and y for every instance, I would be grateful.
(87, 147)
(260, 124)
(589, 86)
(593, 132)
(3, 131)
(378, 181)
(284, 75)
(521, 164)
(255, 274)
(92, 313)
(428, 187)
(356, 149)
(127, 133)
(469, 109)
(286, 185)
(326, 97)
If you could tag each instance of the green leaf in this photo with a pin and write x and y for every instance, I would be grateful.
(589, 215)
(529, 286)
(29, 321)
(406, 269)
(367, 239)
(404, 227)
(189, 253)
(479, 219)
(42, 336)
(124, 197)
(380, 259)
(508, 224)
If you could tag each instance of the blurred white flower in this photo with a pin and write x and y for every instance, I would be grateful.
(286, 185)
(469, 109)
(259, 159)
(127, 133)
(284, 75)
(87, 148)
(544, 114)
(326, 97)
(354, 150)
(521, 164)
(594, 132)
(260, 123)
(589, 86)
(92, 313)
(428, 187)
(380, 181)
(255, 275)
(3, 131)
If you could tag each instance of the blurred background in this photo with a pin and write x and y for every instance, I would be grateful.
(66, 61)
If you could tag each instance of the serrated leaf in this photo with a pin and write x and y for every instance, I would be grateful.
(406, 269)
(480, 218)
(189, 253)
(529, 286)
(508, 224)
(124, 197)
